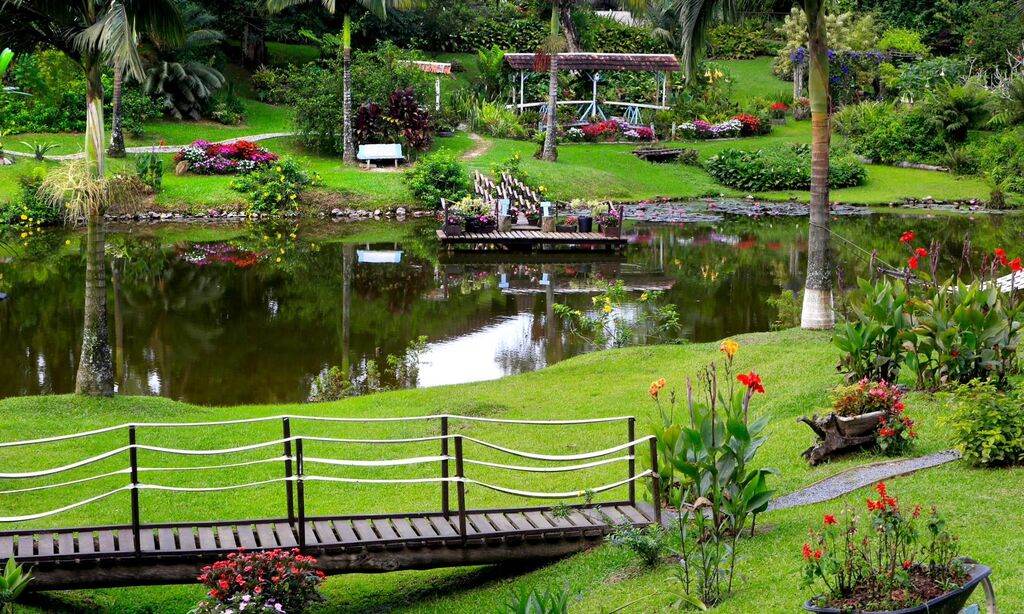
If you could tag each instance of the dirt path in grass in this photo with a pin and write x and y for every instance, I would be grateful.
(164, 149)
(480, 147)
(858, 477)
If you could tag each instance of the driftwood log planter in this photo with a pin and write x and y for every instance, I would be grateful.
(840, 434)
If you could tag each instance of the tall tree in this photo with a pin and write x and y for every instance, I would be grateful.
(379, 9)
(549, 55)
(91, 33)
(695, 18)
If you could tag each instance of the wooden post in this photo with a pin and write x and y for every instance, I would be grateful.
(133, 458)
(288, 489)
(444, 468)
(632, 461)
(622, 218)
(459, 473)
(301, 493)
(655, 480)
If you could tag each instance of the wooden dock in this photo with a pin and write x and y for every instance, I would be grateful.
(533, 239)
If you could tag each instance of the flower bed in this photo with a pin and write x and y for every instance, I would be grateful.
(703, 130)
(206, 158)
(611, 130)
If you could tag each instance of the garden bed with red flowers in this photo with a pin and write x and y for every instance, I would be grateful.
(204, 158)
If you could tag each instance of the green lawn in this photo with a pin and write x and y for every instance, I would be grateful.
(754, 79)
(980, 505)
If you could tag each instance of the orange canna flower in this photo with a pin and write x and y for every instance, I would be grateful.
(729, 347)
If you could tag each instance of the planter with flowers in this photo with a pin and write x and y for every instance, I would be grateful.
(204, 158)
(801, 109)
(609, 220)
(863, 415)
(887, 563)
(477, 216)
(570, 224)
(778, 113)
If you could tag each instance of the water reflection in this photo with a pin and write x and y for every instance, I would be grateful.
(255, 314)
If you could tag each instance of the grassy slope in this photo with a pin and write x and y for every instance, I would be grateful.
(605, 384)
(754, 79)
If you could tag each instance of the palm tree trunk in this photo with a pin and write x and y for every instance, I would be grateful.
(348, 154)
(550, 151)
(116, 128)
(94, 116)
(95, 369)
(572, 35)
(817, 311)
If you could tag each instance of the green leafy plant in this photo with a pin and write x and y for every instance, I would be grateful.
(438, 176)
(39, 150)
(606, 326)
(13, 582)
(987, 425)
(150, 169)
(872, 339)
(711, 447)
(903, 40)
(957, 108)
(273, 187)
(788, 305)
(648, 543)
(536, 601)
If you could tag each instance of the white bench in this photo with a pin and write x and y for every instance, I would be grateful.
(383, 151)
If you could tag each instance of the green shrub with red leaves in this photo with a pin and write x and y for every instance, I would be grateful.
(282, 581)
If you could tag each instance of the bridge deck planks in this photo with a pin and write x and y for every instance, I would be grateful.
(531, 238)
(66, 546)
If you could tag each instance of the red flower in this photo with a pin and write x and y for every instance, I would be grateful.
(907, 237)
(920, 252)
(830, 519)
(817, 554)
(1015, 265)
(752, 381)
(907, 564)
(807, 552)
(1001, 256)
(912, 262)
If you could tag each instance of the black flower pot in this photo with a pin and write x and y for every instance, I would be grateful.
(478, 226)
(452, 230)
(950, 603)
(586, 223)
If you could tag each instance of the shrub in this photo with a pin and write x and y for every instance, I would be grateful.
(493, 119)
(436, 176)
(751, 125)
(272, 85)
(743, 41)
(150, 169)
(887, 134)
(903, 40)
(779, 168)
(916, 79)
(987, 425)
(1001, 158)
(873, 338)
(271, 188)
(648, 543)
(30, 210)
(206, 158)
(278, 580)
(955, 109)
(137, 108)
(228, 109)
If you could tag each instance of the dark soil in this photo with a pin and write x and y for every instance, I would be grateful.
(923, 588)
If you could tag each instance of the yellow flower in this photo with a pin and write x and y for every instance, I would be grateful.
(607, 308)
(23, 217)
(24, 234)
(292, 197)
(542, 189)
(293, 235)
(279, 170)
(67, 242)
(729, 347)
(278, 259)
(281, 250)
(643, 297)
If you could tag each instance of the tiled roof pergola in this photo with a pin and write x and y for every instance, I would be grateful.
(648, 62)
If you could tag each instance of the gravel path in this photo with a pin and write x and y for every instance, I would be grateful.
(859, 477)
(163, 149)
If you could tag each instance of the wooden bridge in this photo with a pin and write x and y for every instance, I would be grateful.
(138, 552)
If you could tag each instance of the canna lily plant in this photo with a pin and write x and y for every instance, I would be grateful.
(706, 456)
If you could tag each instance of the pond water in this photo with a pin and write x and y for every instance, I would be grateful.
(253, 314)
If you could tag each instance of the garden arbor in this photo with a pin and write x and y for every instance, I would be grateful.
(594, 64)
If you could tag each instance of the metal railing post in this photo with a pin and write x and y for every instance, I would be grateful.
(444, 468)
(133, 459)
(461, 486)
(300, 492)
(632, 461)
(288, 488)
(655, 480)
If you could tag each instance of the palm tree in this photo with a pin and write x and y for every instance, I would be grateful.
(379, 9)
(695, 19)
(181, 79)
(91, 32)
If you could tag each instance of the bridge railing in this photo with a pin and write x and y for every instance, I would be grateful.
(451, 459)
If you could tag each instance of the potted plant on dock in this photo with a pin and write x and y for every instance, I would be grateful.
(479, 216)
(884, 563)
(608, 221)
(863, 415)
(569, 224)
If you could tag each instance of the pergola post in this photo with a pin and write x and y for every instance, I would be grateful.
(437, 93)
(522, 84)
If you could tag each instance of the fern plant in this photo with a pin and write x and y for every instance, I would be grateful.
(958, 108)
(1011, 108)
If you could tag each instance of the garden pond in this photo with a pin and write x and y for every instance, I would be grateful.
(234, 314)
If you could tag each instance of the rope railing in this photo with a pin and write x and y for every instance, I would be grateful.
(296, 476)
